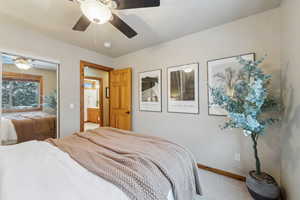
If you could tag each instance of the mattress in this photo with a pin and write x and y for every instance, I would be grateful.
(48, 173)
(24, 115)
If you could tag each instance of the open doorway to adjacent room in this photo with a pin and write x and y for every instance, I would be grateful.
(95, 99)
(93, 102)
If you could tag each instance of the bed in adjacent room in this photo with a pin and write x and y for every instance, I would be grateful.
(29, 103)
(20, 127)
(103, 163)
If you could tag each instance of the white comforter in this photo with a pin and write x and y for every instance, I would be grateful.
(7, 131)
(39, 171)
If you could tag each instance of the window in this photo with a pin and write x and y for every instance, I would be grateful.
(21, 92)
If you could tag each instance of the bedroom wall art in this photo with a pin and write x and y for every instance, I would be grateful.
(223, 73)
(107, 94)
(183, 87)
(150, 91)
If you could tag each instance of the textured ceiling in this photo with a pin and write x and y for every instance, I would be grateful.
(173, 19)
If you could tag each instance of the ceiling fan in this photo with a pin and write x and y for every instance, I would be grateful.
(101, 12)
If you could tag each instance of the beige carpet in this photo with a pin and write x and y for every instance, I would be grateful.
(217, 187)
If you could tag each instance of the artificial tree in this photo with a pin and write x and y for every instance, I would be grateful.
(51, 101)
(250, 105)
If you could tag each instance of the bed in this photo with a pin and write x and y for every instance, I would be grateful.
(103, 163)
(25, 126)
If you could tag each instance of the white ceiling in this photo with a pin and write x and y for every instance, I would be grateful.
(173, 19)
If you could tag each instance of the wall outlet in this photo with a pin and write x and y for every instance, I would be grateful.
(237, 157)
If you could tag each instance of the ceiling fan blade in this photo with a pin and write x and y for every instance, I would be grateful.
(123, 27)
(82, 24)
(129, 4)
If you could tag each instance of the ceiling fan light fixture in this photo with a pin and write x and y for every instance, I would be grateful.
(96, 11)
(23, 63)
(188, 70)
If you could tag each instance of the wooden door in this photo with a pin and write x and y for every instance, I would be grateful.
(120, 99)
(93, 115)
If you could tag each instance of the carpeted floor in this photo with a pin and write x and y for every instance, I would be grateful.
(90, 126)
(217, 187)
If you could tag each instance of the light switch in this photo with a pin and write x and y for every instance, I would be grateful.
(72, 106)
(237, 157)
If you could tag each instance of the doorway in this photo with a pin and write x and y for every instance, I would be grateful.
(94, 97)
(93, 102)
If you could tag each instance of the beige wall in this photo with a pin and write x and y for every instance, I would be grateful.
(22, 40)
(105, 78)
(201, 133)
(290, 162)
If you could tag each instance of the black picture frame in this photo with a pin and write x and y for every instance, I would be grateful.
(198, 89)
(208, 79)
(139, 89)
(107, 94)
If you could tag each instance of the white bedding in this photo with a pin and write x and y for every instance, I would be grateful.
(37, 170)
(7, 131)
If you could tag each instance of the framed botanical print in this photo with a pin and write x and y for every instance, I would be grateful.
(150, 91)
(183, 87)
(223, 73)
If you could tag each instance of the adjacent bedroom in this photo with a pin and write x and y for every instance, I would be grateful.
(149, 100)
(29, 99)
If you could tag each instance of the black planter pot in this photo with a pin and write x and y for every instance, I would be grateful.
(263, 187)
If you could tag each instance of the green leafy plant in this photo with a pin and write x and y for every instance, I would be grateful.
(51, 101)
(250, 105)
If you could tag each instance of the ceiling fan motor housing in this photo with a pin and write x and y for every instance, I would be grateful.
(96, 11)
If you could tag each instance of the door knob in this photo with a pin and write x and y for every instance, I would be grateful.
(128, 112)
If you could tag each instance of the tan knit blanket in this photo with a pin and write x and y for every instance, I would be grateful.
(143, 167)
(35, 129)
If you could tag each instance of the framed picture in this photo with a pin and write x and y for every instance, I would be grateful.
(223, 73)
(107, 92)
(183, 87)
(150, 91)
